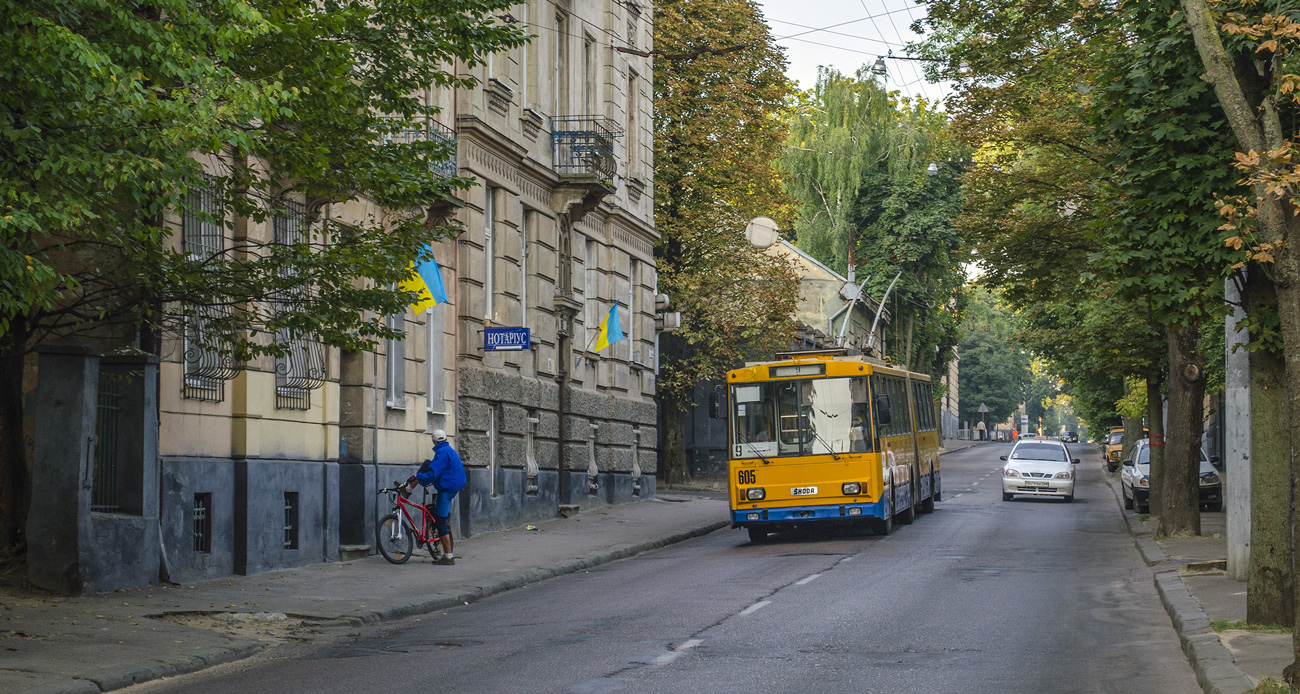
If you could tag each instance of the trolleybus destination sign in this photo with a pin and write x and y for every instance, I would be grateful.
(506, 339)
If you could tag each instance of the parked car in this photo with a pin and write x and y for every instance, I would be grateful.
(1070, 437)
(1135, 480)
(1038, 467)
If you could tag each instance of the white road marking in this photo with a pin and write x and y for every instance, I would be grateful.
(956, 496)
(756, 607)
(677, 652)
(806, 581)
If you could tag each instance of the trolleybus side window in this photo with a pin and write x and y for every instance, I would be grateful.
(860, 439)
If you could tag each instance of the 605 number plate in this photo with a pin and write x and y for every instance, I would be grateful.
(803, 491)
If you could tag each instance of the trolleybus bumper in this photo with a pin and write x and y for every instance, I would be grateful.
(806, 514)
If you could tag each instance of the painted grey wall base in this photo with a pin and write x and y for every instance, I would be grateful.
(182, 479)
(262, 533)
(247, 521)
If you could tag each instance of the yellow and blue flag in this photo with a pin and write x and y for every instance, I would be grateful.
(426, 282)
(610, 330)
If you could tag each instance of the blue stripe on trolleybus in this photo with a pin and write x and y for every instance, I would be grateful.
(789, 514)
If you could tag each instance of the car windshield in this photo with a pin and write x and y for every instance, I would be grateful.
(1116, 437)
(1039, 451)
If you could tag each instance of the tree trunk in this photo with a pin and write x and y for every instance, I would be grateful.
(1258, 127)
(675, 404)
(1156, 429)
(1180, 509)
(1269, 597)
(14, 492)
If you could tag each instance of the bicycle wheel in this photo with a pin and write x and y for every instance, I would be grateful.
(396, 550)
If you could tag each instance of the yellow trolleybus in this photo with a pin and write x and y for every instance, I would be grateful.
(822, 438)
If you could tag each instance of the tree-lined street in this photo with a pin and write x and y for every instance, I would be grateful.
(981, 596)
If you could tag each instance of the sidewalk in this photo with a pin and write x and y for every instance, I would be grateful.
(113, 640)
(1191, 577)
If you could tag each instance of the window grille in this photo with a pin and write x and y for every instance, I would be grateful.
(291, 520)
(202, 516)
(302, 368)
(104, 492)
(203, 240)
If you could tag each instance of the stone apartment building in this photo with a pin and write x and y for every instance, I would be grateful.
(276, 463)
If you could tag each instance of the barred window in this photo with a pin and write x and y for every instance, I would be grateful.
(302, 368)
(203, 237)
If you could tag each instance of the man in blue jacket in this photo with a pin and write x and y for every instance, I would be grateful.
(447, 475)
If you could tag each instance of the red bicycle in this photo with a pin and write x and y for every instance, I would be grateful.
(397, 534)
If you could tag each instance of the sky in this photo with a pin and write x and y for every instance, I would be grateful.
(867, 29)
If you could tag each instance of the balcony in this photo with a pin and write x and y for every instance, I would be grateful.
(428, 131)
(583, 146)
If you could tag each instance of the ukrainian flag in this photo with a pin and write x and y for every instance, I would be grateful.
(426, 282)
(610, 330)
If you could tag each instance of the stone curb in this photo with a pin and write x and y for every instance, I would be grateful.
(1216, 670)
(127, 675)
(131, 674)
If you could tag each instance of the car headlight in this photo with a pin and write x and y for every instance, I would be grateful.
(1144, 482)
(1209, 479)
(1064, 475)
(1114, 455)
(1008, 472)
(755, 493)
(851, 488)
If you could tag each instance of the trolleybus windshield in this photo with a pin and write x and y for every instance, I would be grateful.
(805, 417)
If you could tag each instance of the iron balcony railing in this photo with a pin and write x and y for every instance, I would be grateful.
(584, 146)
(430, 131)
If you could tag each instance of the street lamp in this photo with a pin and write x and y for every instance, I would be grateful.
(879, 68)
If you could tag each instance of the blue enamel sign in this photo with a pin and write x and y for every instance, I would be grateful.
(506, 339)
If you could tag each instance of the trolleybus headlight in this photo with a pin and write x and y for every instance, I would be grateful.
(855, 511)
(852, 488)
(755, 493)
(753, 516)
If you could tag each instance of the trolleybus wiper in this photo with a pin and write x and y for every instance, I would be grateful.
(755, 451)
(827, 445)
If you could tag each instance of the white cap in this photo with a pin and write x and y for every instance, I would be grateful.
(439, 435)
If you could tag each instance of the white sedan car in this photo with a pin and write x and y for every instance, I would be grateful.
(1135, 480)
(1038, 467)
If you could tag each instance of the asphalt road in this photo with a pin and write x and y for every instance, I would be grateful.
(981, 596)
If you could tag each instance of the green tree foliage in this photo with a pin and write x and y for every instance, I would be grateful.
(717, 136)
(994, 365)
(857, 161)
(1134, 200)
(113, 115)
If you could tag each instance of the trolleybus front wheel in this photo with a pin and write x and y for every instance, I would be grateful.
(757, 535)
